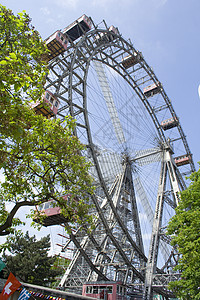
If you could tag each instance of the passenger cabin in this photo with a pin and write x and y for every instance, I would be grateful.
(169, 123)
(57, 44)
(130, 60)
(47, 106)
(182, 160)
(151, 90)
(52, 213)
(107, 36)
(113, 29)
(105, 290)
(78, 28)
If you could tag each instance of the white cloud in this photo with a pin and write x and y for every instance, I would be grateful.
(45, 11)
(68, 3)
(112, 3)
(102, 3)
(159, 3)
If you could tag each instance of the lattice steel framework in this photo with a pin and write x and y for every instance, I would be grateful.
(137, 181)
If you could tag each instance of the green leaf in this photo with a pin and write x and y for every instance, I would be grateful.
(3, 62)
(13, 56)
(36, 153)
(184, 228)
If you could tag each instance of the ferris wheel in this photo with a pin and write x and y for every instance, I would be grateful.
(139, 157)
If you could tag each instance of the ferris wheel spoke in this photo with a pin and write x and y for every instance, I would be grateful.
(109, 101)
(147, 156)
(149, 213)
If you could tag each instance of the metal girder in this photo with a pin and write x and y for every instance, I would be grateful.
(167, 167)
(163, 280)
(101, 247)
(111, 247)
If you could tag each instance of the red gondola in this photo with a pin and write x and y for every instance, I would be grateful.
(105, 290)
(57, 44)
(48, 106)
(52, 213)
(151, 90)
(78, 28)
(182, 160)
(169, 123)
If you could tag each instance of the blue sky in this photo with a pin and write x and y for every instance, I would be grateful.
(165, 31)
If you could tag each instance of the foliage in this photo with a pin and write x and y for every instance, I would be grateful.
(60, 264)
(185, 228)
(40, 158)
(29, 259)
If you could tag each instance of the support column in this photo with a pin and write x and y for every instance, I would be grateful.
(167, 166)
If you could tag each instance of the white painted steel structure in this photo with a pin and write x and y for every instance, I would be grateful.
(137, 181)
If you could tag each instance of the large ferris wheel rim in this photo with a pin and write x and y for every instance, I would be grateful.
(92, 56)
(152, 77)
(98, 53)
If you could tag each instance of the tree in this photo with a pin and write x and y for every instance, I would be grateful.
(29, 259)
(40, 158)
(60, 264)
(185, 230)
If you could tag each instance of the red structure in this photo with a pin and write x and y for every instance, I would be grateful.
(182, 160)
(57, 44)
(169, 123)
(52, 213)
(78, 28)
(151, 90)
(48, 106)
(130, 60)
(105, 290)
